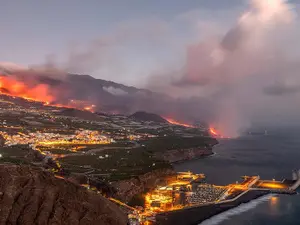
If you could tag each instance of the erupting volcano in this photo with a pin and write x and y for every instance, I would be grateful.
(13, 87)
(38, 93)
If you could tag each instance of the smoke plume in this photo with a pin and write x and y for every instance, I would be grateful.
(115, 91)
(248, 73)
(245, 74)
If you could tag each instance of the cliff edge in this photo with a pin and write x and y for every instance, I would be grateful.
(29, 195)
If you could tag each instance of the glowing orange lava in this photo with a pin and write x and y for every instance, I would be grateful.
(90, 108)
(38, 93)
(216, 133)
(13, 87)
(213, 131)
(172, 121)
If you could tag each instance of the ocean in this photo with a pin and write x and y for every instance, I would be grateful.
(274, 155)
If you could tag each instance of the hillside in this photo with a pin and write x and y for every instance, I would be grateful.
(144, 116)
(87, 115)
(61, 88)
(32, 196)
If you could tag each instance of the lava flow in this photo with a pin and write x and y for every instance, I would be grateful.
(172, 121)
(10, 86)
(215, 133)
(37, 93)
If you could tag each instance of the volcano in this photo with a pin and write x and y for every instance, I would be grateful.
(84, 92)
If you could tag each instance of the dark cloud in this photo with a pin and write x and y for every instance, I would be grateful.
(233, 71)
(281, 90)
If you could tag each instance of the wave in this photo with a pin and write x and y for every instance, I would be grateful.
(236, 211)
(213, 154)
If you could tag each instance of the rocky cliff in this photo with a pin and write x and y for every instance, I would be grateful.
(29, 195)
(127, 189)
(179, 155)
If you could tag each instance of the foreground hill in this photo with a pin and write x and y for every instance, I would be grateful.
(31, 196)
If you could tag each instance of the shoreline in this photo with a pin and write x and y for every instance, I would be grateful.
(243, 207)
(194, 159)
(198, 214)
(149, 180)
(211, 154)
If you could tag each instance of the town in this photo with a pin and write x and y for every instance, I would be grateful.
(188, 191)
(98, 149)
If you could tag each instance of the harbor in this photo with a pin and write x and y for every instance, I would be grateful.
(188, 199)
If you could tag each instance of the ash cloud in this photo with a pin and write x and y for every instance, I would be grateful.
(231, 78)
(236, 72)
(282, 89)
(115, 91)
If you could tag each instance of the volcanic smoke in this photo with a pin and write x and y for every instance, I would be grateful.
(39, 93)
(249, 73)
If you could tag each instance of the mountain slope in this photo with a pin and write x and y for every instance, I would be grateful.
(31, 196)
(110, 97)
(145, 116)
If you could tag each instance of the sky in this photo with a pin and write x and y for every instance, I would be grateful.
(34, 31)
(125, 41)
(240, 59)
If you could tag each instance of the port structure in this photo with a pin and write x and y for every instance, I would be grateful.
(190, 190)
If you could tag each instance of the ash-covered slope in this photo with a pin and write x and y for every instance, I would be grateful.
(106, 96)
(145, 116)
(31, 196)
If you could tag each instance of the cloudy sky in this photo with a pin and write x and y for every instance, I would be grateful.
(34, 31)
(241, 56)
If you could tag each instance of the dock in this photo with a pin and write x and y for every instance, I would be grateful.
(190, 200)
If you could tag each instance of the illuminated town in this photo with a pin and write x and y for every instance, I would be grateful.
(46, 139)
(190, 190)
(111, 154)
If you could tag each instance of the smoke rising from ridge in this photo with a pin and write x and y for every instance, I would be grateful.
(228, 76)
(248, 74)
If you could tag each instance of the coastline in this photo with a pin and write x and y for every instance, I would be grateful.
(244, 207)
(193, 159)
(127, 189)
(198, 214)
(131, 188)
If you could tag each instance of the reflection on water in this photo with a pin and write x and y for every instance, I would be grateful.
(274, 205)
(271, 156)
(274, 200)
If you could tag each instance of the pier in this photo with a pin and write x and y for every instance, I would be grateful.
(189, 195)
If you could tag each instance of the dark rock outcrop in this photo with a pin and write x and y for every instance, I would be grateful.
(145, 116)
(29, 195)
(2, 141)
(180, 155)
(127, 189)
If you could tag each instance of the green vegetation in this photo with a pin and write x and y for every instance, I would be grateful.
(71, 148)
(14, 161)
(175, 142)
(14, 151)
(16, 154)
(118, 163)
(56, 151)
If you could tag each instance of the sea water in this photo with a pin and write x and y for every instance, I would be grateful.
(274, 155)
